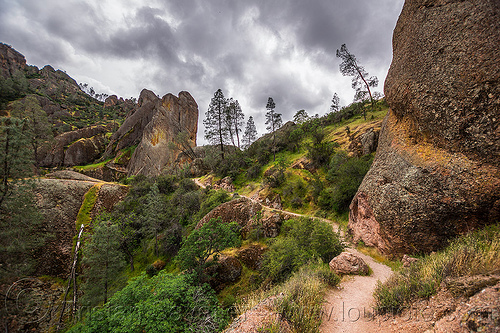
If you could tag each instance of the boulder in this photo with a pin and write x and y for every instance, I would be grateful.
(479, 313)
(153, 126)
(469, 285)
(251, 256)
(69, 149)
(243, 211)
(240, 210)
(225, 271)
(349, 263)
(436, 173)
(111, 101)
(84, 151)
(225, 184)
(408, 261)
(365, 140)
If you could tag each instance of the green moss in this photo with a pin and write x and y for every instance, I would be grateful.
(89, 200)
(92, 166)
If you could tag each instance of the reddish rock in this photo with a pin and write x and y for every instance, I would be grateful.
(436, 174)
(111, 101)
(349, 263)
(408, 261)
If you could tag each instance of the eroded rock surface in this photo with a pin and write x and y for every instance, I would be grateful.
(437, 169)
(78, 147)
(243, 211)
(59, 199)
(153, 126)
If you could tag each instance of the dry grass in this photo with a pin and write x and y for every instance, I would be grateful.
(474, 254)
(302, 300)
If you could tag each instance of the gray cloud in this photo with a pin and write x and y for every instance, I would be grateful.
(251, 49)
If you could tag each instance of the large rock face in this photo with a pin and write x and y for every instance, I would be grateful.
(152, 126)
(437, 169)
(11, 61)
(78, 147)
(59, 199)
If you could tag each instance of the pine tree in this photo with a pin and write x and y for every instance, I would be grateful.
(274, 122)
(15, 155)
(335, 106)
(360, 81)
(234, 120)
(250, 133)
(36, 122)
(215, 131)
(19, 216)
(154, 214)
(300, 117)
(103, 261)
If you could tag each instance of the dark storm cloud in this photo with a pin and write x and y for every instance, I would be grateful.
(251, 49)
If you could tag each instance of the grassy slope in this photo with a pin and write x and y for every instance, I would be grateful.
(334, 133)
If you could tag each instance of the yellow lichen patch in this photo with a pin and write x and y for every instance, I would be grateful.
(157, 136)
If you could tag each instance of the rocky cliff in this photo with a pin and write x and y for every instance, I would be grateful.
(153, 126)
(437, 169)
(60, 197)
(10, 60)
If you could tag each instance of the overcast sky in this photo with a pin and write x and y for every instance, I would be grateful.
(251, 49)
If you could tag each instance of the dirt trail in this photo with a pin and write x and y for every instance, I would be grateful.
(349, 308)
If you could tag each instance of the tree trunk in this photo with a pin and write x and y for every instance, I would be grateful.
(156, 243)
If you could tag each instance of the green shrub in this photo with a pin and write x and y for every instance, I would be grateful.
(162, 303)
(345, 174)
(304, 239)
(253, 172)
(209, 240)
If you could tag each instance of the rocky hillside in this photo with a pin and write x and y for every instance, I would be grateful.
(86, 130)
(437, 169)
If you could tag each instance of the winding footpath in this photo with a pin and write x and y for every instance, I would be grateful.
(349, 307)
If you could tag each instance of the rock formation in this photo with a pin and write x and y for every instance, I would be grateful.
(59, 199)
(77, 147)
(11, 61)
(153, 126)
(243, 212)
(437, 169)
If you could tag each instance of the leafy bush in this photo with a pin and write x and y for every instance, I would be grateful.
(294, 191)
(209, 240)
(303, 240)
(346, 174)
(162, 303)
(254, 171)
(473, 254)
